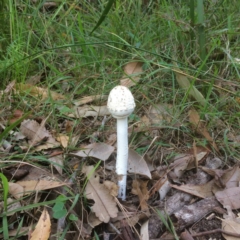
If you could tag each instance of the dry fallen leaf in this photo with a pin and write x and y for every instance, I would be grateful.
(89, 111)
(63, 139)
(158, 114)
(112, 187)
(202, 191)
(17, 114)
(133, 71)
(100, 151)
(57, 161)
(16, 190)
(132, 217)
(38, 185)
(200, 127)
(228, 178)
(38, 134)
(229, 197)
(89, 99)
(104, 206)
(23, 231)
(12, 204)
(93, 220)
(231, 224)
(139, 188)
(43, 228)
(38, 92)
(137, 164)
(231, 177)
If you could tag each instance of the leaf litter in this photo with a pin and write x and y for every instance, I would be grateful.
(182, 184)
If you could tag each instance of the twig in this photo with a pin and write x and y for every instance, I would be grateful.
(216, 231)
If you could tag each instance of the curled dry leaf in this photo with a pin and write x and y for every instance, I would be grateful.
(133, 71)
(43, 228)
(105, 206)
(100, 151)
(228, 178)
(165, 187)
(137, 164)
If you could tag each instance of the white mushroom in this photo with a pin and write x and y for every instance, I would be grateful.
(121, 104)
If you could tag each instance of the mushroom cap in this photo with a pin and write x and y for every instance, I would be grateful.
(120, 102)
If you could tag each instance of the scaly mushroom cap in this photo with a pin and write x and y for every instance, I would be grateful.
(120, 102)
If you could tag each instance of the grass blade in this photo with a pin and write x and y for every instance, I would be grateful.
(201, 30)
(5, 194)
(104, 14)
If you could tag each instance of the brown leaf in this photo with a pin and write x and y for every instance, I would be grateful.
(93, 221)
(139, 188)
(200, 127)
(105, 206)
(229, 197)
(12, 205)
(100, 151)
(36, 134)
(89, 99)
(231, 224)
(43, 228)
(89, 111)
(112, 187)
(58, 159)
(202, 191)
(17, 114)
(16, 190)
(38, 92)
(228, 178)
(133, 71)
(23, 231)
(157, 114)
(137, 164)
(38, 185)
(63, 139)
(231, 177)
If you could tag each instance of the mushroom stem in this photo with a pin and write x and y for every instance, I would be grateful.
(122, 156)
(121, 104)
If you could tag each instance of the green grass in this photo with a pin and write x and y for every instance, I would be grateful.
(57, 45)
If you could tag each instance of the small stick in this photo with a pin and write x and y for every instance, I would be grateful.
(216, 231)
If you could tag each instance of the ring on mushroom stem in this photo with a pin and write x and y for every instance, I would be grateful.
(121, 104)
